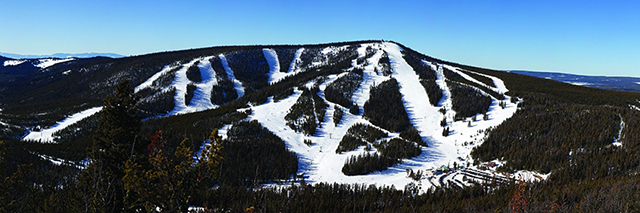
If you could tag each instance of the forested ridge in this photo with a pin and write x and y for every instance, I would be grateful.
(142, 165)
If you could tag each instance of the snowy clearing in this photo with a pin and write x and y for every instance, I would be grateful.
(580, 83)
(46, 135)
(13, 62)
(44, 63)
(616, 140)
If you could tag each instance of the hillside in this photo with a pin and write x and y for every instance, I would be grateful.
(369, 112)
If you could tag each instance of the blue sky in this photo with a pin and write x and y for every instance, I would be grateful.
(580, 37)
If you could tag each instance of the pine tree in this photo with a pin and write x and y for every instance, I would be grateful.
(113, 145)
(3, 186)
(3, 171)
(172, 182)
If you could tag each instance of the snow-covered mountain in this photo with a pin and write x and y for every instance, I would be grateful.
(356, 112)
(446, 132)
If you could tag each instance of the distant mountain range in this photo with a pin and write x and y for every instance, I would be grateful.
(628, 84)
(62, 55)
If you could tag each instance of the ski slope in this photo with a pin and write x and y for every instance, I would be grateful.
(44, 63)
(13, 62)
(320, 163)
(46, 135)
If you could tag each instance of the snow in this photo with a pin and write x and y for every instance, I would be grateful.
(149, 82)
(13, 62)
(236, 82)
(500, 87)
(529, 176)
(202, 95)
(616, 141)
(422, 114)
(580, 83)
(320, 162)
(60, 161)
(274, 66)
(180, 82)
(66, 72)
(202, 98)
(44, 63)
(46, 135)
(296, 60)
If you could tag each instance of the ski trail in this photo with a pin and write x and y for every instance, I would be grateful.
(180, 82)
(369, 78)
(202, 96)
(274, 65)
(271, 116)
(293, 67)
(421, 113)
(149, 82)
(616, 141)
(237, 84)
(46, 135)
(464, 75)
(445, 101)
(500, 87)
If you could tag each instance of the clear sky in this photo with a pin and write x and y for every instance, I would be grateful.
(580, 37)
